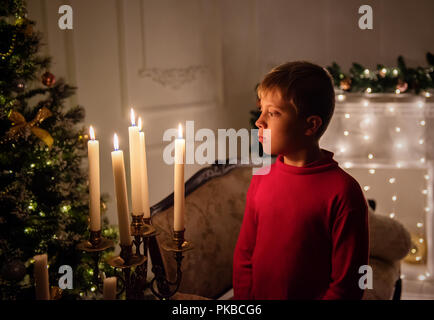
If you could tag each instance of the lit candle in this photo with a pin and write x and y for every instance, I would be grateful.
(109, 288)
(144, 173)
(121, 193)
(136, 190)
(94, 188)
(179, 181)
(41, 277)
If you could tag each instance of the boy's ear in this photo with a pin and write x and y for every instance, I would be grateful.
(313, 123)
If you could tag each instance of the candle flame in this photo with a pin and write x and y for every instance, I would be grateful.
(180, 131)
(133, 118)
(140, 124)
(91, 133)
(116, 142)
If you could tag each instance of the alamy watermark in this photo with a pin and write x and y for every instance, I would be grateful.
(205, 153)
(366, 20)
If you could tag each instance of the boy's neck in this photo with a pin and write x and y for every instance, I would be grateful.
(303, 157)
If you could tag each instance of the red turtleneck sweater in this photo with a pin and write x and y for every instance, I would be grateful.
(304, 234)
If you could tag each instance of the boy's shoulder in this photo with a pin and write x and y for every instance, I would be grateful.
(347, 188)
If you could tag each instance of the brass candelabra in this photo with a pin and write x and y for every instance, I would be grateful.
(132, 260)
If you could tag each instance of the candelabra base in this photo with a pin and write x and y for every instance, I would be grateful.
(178, 243)
(173, 246)
(101, 246)
(133, 261)
(127, 259)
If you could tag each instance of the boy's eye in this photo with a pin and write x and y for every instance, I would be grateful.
(272, 114)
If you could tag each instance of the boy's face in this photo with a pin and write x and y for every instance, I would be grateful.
(287, 131)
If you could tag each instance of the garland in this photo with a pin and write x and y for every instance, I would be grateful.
(384, 79)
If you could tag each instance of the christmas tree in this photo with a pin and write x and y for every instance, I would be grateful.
(43, 173)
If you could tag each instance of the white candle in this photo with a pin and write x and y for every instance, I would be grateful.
(109, 288)
(121, 193)
(94, 182)
(179, 182)
(136, 190)
(41, 277)
(144, 173)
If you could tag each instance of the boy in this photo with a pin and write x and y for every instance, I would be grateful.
(305, 228)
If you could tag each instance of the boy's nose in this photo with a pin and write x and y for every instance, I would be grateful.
(260, 123)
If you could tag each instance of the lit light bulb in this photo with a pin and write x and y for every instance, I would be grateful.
(422, 160)
(346, 133)
(341, 97)
(370, 156)
(426, 177)
(392, 109)
(384, 71)
(427, 94)
(399, 145)
(366, 188)
(425, 191)
(368, 90)
(397, 91)
(394, 198)
(366, 103)
(419, 225)
(366, 71)
(366, 137)
(342, 149)
(398, 164)
(420, 104)
(348, 164)
(420, 240)
(422, 123)
(395, 72)
(371, 171)
(392, 215)
(392, 180)
(347, 115)
(398, 129)
(427, 209)
(421, 141)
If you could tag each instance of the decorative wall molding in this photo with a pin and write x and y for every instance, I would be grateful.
(173, 78)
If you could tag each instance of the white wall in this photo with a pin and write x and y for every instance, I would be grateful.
(200, 59)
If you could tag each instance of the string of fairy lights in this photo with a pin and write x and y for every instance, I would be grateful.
(401, 138)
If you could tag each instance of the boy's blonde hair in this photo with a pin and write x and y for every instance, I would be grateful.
(306, 86)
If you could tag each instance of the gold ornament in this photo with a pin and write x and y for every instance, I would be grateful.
(20, 124)
(417, 252)
(19, 21)
(345, 84)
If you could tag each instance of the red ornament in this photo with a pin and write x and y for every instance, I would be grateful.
(48, 79)
(402, 86)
